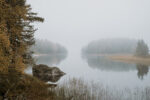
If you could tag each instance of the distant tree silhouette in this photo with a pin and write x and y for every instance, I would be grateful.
(142, 49)
(48, 47)
(111, 46)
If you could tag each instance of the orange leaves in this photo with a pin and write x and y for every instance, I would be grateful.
(4, 42)
(4, 52)
(16, 33)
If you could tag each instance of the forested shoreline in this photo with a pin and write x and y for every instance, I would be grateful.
(48, 47)
(111, 46)
(17, 46)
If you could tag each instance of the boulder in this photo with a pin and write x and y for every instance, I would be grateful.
(46, 73)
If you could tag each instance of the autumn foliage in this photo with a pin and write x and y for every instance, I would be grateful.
(16, 34)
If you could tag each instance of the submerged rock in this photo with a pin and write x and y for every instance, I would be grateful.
(46, 73)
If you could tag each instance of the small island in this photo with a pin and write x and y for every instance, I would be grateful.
(122, 50)
(140, 56)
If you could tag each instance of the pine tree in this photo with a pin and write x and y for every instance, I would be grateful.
(142, 49)
(5, 55)
(17, 17)
(4, 50)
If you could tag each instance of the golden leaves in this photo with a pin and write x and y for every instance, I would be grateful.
(16, 33)
(4, 52)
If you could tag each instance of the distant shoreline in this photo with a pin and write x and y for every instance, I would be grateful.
(130, 59)
(41, 54)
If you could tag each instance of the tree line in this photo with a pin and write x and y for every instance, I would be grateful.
(117, 46)
(110, 46)
(48, 47)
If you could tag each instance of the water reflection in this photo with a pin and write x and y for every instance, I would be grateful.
(103, 63)
(142, 70)
(50, 59)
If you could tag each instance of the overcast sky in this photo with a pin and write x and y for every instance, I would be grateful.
(77, 22)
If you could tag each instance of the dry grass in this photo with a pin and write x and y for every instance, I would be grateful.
(29, 88)
(16, 86)
(78, 89)
(131, 59)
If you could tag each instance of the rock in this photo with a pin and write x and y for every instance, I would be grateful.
(46, 73)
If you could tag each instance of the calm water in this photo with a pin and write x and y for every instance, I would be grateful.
(98, 69)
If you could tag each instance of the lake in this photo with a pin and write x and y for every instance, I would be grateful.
(98, 69)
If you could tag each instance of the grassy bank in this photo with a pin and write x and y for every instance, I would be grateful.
(130, 59)
(17, 86)
(25, 87)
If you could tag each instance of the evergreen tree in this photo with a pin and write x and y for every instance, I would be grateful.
(5, 54)
(142, 49)
(16, 17)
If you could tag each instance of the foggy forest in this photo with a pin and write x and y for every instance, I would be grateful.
(74, 50)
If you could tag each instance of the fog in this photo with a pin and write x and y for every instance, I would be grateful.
(92, 32)
(75, 23)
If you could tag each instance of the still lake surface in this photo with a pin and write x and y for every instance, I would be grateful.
(98, 69)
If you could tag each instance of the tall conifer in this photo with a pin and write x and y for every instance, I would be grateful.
(17, 17)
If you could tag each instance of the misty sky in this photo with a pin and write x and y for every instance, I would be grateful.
(77, 22)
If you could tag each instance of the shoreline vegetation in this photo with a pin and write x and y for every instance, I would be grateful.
(26, 87)
(16, 49)
(130, 59)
